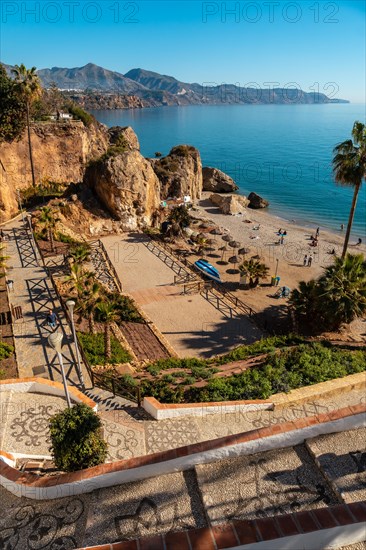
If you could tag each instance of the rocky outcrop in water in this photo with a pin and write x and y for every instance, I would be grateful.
(180, 172)
(127, 186)
(217, 181)
(255, 201)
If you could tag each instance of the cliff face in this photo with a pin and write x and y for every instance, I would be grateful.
(180, 172)
(60, 153)
(127, 186)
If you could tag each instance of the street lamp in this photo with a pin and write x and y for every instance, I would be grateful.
(70, 306)
(55, 342)
(20, 204)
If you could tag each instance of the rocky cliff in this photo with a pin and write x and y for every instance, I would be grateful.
(127, 186)
(180, 172)
(61, 152)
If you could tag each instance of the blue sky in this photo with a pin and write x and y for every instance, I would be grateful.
(316, 44)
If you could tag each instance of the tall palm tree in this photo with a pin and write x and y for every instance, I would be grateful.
(342, 292)
(349, 168)
(49, 221)
(255, 271)
(29, 87)
(77, 279)
(107, 313)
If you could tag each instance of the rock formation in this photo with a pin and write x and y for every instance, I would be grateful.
(230, 204)
(61, 152)
(127, 186)
(124, 136)
(217, 181)
(255, 201)
(180, 172)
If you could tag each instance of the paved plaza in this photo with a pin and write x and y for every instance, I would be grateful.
(193, 325)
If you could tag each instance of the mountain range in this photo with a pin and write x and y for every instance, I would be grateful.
(156, 89)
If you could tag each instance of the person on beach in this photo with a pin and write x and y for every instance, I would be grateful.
(281, 239)
(310, 260)
(342, 226)
(317, 232)
(358, 242)
(305, 259)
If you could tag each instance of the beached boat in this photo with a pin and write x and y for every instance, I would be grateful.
(209, 270)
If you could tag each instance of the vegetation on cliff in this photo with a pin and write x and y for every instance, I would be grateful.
(13, 109)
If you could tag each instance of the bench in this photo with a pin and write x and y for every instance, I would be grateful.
(17, 313)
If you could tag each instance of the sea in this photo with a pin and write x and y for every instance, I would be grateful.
(282, 152)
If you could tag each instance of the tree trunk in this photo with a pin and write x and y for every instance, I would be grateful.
(50, 233)
(30, 147)
(91, 323)
(350, 219)
(107, 341)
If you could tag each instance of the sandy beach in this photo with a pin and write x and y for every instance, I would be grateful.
(287, 258)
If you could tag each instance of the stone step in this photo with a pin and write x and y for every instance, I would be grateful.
(5, 407)
(262, 485)
(342, 459)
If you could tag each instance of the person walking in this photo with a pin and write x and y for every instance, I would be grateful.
(310, 260)
(305, 259)
(317, 232)
(51, 319)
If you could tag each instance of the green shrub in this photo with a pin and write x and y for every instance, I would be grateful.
(76, 440)
(126, 308)
(93, 347)
(5, 350)
(79, 113)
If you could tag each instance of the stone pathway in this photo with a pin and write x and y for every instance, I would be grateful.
(34, 293)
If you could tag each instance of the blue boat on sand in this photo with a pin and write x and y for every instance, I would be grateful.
(209, 270)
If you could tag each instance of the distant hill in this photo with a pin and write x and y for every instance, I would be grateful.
(155, 89)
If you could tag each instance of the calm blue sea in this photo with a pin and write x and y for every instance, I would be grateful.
(282, 152)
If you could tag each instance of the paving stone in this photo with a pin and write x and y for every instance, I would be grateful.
(32, 525)
(342, 458)
(145, 508)
(260, 485)
(163, 435)
(27, 422)
(124, 440)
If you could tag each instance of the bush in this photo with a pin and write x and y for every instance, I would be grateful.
(79, 113)
(76, 440)
(93, 347)
(5, 350)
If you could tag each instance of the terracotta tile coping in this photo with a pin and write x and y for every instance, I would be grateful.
(166, 406)
(165, 456)
(241, 532)
(73, 391)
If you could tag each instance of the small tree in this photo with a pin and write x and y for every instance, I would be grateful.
(107, 313)
(179, 218)
(49, 221)
(76, 439)
(255, 270)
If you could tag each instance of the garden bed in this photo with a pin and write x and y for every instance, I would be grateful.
(8, 365)
(94, 350)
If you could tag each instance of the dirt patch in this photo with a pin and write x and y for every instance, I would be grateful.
(143, 342)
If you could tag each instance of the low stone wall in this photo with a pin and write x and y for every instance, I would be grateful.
(277, 436)
(161, 411)
(41, 385)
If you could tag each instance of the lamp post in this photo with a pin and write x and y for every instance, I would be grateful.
(70, 306)
(20, 204)
(276, 267)
(55, 342)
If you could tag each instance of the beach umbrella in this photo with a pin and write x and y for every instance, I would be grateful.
(234, 244)
(216, 231)
(205, 225)
(210, 242)
(234, 260)
(223, 250)
(243, 251)
(227, 238)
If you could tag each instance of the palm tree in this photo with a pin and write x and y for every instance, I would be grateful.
(80, 253)
(49, 222)
(179, 219)
(107, 313)
(77, 279)
(342, 293)
(30, 89)
(91, 298)
(349, 168)
(255, 271)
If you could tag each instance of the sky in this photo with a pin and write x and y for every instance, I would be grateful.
(314, 45)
